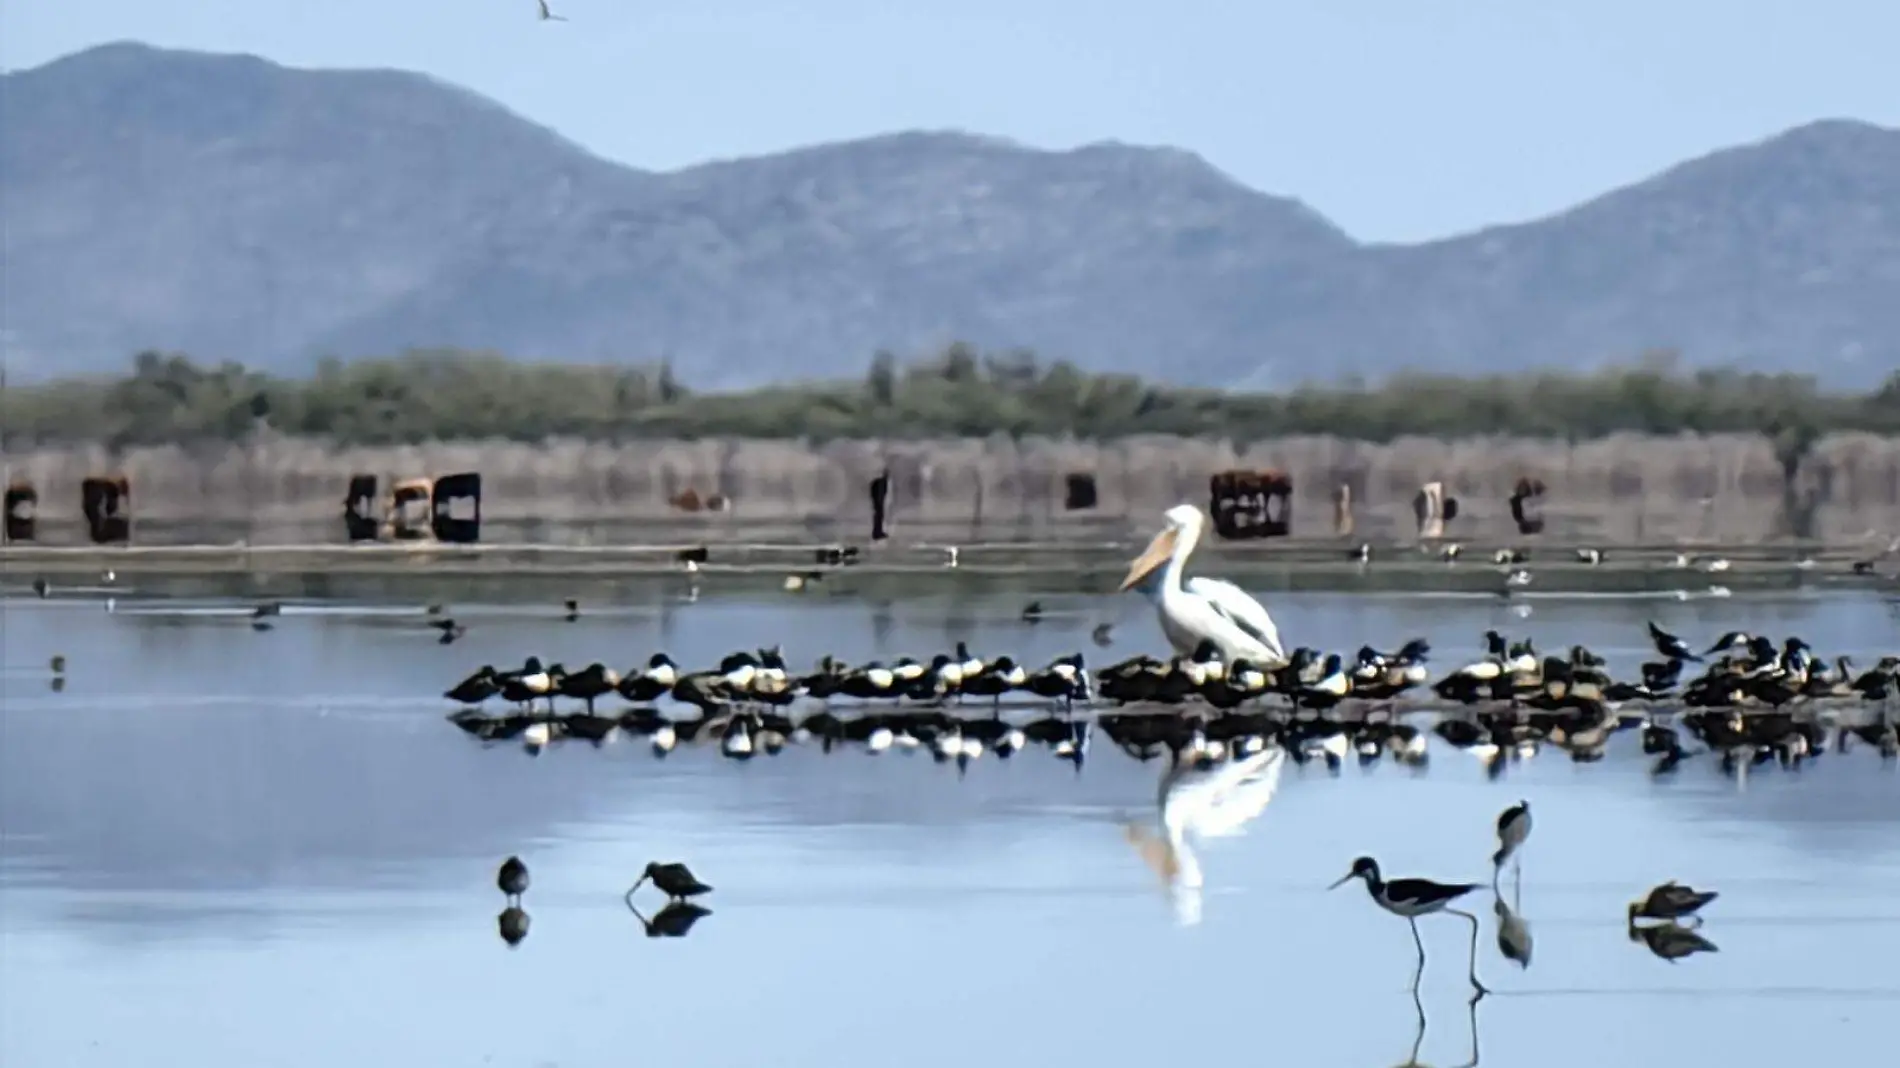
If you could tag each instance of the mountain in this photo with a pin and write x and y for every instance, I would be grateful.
(232, 208)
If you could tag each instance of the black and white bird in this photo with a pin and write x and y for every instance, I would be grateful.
(1412, 898)
(1669, 645)
(1514, 825)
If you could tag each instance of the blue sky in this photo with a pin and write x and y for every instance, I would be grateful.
(1399, 119)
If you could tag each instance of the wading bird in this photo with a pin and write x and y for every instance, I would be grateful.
(1412, 898)
(675, 880)
(513, 878)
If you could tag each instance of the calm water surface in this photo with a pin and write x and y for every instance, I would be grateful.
(226, 847)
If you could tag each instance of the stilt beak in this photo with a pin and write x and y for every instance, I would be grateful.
(637, 882)
(1343, 880)
(1152, 557)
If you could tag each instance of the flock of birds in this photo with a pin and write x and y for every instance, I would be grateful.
(1753, 700)
(1668, 905)
(674, 919)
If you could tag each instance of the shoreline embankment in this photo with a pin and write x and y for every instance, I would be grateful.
(1622, 490)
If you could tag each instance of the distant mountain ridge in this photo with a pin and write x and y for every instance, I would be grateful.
(232, 208)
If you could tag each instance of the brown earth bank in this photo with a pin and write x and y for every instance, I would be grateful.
(1631, 489)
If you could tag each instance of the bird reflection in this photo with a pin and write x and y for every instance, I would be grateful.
(1514, 931)
(513, 925)
(1670, 940)
(1206, 802)
(676, 920)
(1418, 1040)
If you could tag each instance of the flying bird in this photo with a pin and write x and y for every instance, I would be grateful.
(548, 15)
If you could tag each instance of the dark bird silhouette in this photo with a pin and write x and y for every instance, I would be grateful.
(1103, 635)
(513, 925)
(1670, 646)
(448, 630)
(547, 15)
(676, 920)
(674, 880)
(42, 589)
(880, 505)
(573, 609)
(1671, 941)
(1670, 902)
(512, 878)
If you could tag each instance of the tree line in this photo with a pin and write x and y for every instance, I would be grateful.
(959, 392)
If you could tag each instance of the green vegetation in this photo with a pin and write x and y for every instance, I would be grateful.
(427, 396)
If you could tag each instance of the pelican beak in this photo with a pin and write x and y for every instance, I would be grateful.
(1152, 557)
(1343, 880)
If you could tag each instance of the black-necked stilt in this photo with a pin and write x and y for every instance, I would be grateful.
(1670, 940)
(1514, 825)
(512, 878)
(1412, 898)
(513, 925)
(1670, 901)
(674, 880)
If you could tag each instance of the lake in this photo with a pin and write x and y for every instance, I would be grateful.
(231, 847)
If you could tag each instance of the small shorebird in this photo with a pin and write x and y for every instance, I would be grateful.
(674, 880)
(512, 878)
(1412, 898)
(1514, 825)
(1670, 901)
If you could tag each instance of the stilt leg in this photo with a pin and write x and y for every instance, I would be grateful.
(1420, 943)
(1475, 984)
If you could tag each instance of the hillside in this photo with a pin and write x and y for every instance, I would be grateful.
(232, 208)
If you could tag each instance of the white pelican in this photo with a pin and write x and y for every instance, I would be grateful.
(1199, 609)
(1215, 802)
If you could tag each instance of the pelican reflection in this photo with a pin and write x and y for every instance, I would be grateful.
(1198, 800)
(1418, 1039)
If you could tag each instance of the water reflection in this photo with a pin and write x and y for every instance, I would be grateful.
(1418, 1040)
(512, 924)
(1670, 940)
(675, 920)
(1216, 799)
(1514, 931)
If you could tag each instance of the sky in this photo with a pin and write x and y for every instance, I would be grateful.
(1400, 120)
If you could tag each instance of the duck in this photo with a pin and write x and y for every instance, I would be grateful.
(475, 689)
(524, 686)
(653, 682)
(589, 684)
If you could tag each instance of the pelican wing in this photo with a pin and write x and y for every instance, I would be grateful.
(1240, 609)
